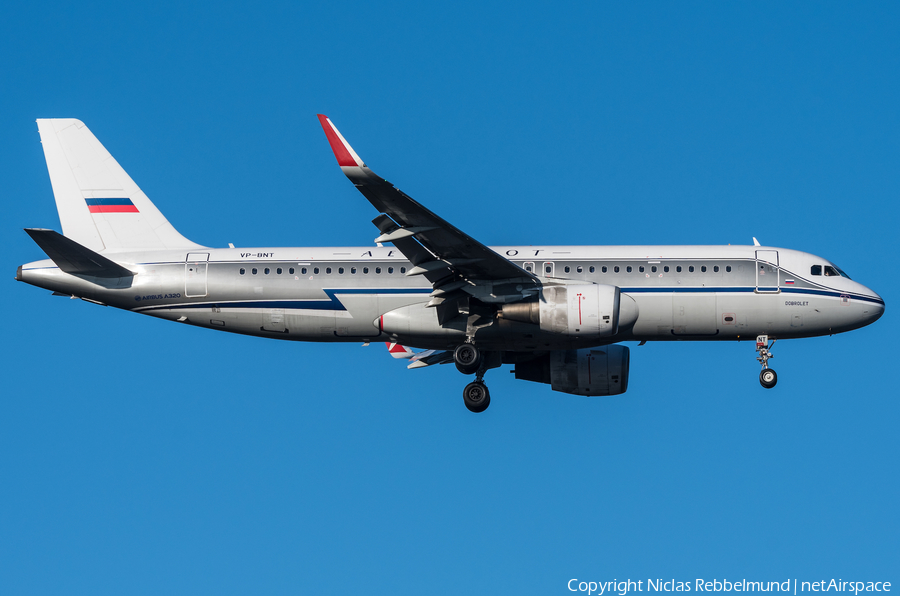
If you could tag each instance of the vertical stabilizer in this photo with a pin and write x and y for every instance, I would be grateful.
(100, 206)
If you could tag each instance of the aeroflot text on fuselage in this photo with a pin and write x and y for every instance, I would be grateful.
(557, 314)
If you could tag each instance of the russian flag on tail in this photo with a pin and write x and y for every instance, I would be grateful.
(111, 206)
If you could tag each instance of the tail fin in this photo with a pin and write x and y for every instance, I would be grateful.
(100, 206)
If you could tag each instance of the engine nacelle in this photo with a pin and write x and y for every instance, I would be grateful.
(577, 310)
(589, 371)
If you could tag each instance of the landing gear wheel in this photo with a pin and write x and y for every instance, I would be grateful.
(768, 378)
(476, 397)
(467, 358)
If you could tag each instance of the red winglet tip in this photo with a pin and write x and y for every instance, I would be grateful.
(337, 146)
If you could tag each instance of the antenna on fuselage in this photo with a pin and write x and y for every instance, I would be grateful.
(756, 242)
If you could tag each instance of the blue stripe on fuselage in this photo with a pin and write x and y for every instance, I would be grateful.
(333, 303)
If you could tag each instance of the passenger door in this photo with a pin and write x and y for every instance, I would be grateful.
(767, 272)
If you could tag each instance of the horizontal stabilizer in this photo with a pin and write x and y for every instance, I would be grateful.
(74, 258)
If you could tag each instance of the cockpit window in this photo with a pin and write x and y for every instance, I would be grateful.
(815, 270)
(831, 271)
(841, 271)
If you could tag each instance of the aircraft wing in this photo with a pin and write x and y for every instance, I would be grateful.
(448, 257)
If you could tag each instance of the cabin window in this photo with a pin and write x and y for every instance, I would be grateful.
(678, 269)
(831, 271)
(691, 268)
(377, 269)
(654, 269)
(641, 268)
(616, 269)
(352, 270)
(254, 271)
(291, 270)
(703, 269)
(568, 269)
(390, 270)
(628, 269)
(402, 269)
(316, 271)
(815, 270)
(716, 269)
(666, 269)
(593, 269)
(727, 268)
(341, 270)
(328, 270)
(278, 271)
(365, 270)
(242, 271)
(548, 268)
(266, 271)
(603, 269)
(303, 271)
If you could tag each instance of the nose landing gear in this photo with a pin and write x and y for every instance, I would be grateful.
(767, 377)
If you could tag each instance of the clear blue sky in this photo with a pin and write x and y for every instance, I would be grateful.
(143, 457)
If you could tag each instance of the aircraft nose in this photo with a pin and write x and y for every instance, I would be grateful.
(874, 309)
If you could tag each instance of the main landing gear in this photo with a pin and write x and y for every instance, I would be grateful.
(767, 377)
(469, 360)
(476, 396)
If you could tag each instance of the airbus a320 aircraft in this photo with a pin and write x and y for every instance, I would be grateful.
(556, 313)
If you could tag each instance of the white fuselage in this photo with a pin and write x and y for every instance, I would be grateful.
(339, 294)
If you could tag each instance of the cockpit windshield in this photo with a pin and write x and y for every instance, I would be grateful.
(829, 270)
(835, 271)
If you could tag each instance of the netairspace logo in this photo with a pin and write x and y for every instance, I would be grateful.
(791, 586)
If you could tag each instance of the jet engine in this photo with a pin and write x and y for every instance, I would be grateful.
(589, 371)
(578, 310)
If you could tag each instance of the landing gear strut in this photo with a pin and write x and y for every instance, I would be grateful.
(767, 377)
(470, 360)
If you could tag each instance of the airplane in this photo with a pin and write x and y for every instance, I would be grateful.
(558, 314)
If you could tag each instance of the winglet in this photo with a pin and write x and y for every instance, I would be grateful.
(344, 153)
(398, 351)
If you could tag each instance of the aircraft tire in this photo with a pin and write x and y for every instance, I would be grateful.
(476, 397)
(768, 378)
(467, 358)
